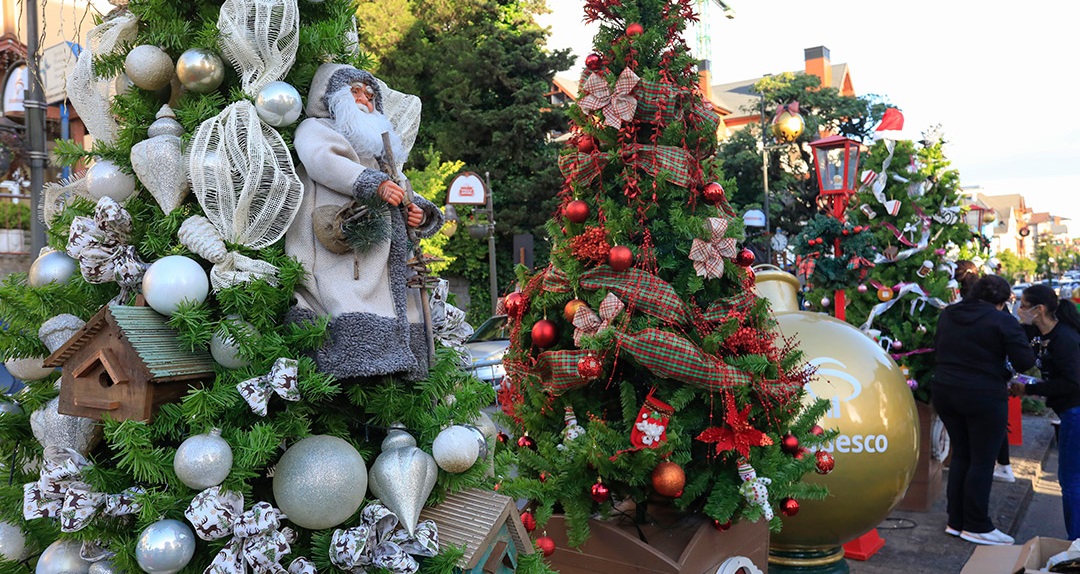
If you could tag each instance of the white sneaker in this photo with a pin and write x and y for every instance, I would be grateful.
(951, 531)
(1004, 473)
(993, 538)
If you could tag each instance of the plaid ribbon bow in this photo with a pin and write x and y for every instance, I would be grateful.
(755, 489)
(618, 105)
(281, 380)
(100, 245)
(708, 256)
(378, 542)
(59, 493)
(587, 322)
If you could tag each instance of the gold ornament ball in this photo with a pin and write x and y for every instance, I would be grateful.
(570, 309)
(884, 294)
(788, 126)
(148, 67)
(669, 479)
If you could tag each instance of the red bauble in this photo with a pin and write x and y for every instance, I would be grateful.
(515, 304)
(576, 211)
(789, 506)
(744, 258)
(543, 477)
(713, 193)
(544, 333)
(816, 430)
(825, 462)
(546, 545)
(594, 62)
(526, 441)
(635, 29)
(790, 444)
(570, 309)
(669, 479)
(586, 144)
(620, 258)
(589, 367)
(721, 526)
(502, 437)
(802, 453)
(600, 493)
(529, 521)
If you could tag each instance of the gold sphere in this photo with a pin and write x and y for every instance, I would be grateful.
(668, 479)
(788, 125)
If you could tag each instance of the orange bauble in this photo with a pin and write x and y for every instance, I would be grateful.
(669, 479)
(571, 308)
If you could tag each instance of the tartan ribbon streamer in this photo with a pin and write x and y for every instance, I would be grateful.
(555, 281)
(100, 244)
(755, 489)
(558, 369)
(670, 356)
(653, 159)
(59, 493)
(640, 290)
(708, 256)
(721, 309)
(587, 322)
(258, 540)
(582, 167)
(378, 543)
(280, 380)
(656, 99)
(617, 105)
(805, 266)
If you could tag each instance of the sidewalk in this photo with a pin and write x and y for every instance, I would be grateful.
(915, 542)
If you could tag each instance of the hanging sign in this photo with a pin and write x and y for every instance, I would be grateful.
(57, 64)
(14, 90)
(467, 188)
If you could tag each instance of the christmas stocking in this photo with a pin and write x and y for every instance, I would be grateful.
(650, 428)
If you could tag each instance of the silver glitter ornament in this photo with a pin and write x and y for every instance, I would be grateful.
(57, 330)
(54, 429)
(62, 557)
(12, 542)
(200, 71)
(402, 478)
(104, 567)
(203, 460)
(52, 267)
(148, 67)
(224, 348)
(106, 179)
(28, 369)
(397, 437)
(481, 441)
(278, 104)
(159, 161)
(165, 547)
(455, 449)
(320, 482)
(9, 407)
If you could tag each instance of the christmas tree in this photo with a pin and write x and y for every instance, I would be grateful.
(232, 421)
(642, 364)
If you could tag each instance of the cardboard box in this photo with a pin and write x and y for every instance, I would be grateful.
(1028, 558)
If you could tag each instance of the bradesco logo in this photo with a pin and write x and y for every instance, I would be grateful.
(836, 373)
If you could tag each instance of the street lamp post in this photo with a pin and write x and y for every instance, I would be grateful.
(836, 159)
(787, 126)
(468, 189)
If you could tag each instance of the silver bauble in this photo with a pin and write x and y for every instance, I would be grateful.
(104, 567)
(320, 482)
(106, 179)
(165, 547)
(455, 449)
(28, 369)
(158, 161)
(486, 426)
(173, 280)
(62, 557)
(12, 542)
(224, 348)
(203, 460)
(9, 407)
(402, 479)
(200, 71)
(148, 67)
(54, 429)
(481, 441)
(52, 267)
(56, 331)
(278, 104)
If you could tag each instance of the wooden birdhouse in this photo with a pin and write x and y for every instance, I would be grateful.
(126, 362)
(487, 525)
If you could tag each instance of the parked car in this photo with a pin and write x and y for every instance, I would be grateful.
(486, 348)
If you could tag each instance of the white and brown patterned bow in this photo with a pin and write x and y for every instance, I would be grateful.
(618, 105)
(59, 493)
(280, 380)
(587, 322)
(378, 543)
(708, 256)
(259, 541)
(100, 244)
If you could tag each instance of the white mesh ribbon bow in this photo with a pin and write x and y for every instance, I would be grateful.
(91, 95)
(587, 322)
(230, 267)
(708, 256)
(755, 489)
(280, 380)
(259, 38)
(59, 493)
(258, 542)
(378, 543)
(99, 243)
(618, 105)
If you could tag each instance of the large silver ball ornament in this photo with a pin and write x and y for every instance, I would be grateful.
(199, 70)
(165, 547)
(203, 460)
(148, 67)
(62, 557)
(225, 349)
(104, 567)
(173, 280)
(106, 179)
(320, 482)
(52, 267)
(51, 428)
(28, 369)
(481, 441)
(278, 104)
(455, 449)
(12, 542)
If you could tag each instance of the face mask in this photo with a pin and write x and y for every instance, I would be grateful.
(1026, 315)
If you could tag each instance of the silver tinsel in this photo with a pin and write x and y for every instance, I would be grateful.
(203, 460)
(402, 478)
(165, 547)
(12, 542)
(52, 267)
(56, 331)
(54, 429)
(320, 482)
(62, 557)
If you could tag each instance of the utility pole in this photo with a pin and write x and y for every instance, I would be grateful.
(34, 102)
(765, 181)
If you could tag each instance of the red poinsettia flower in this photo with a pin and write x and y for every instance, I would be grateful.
(739, 435)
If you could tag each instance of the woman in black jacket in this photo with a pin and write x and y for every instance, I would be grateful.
(1058, 353)
(970, 394)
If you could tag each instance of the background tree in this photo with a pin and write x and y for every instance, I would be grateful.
(1016, 268)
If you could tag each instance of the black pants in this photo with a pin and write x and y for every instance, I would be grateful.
(976, 423)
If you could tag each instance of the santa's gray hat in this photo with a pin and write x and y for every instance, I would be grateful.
(330, 78)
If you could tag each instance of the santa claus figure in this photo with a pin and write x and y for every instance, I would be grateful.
(376, 324)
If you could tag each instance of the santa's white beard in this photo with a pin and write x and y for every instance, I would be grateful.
(363, 130)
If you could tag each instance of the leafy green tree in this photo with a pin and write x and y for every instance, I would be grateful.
(1016, 268)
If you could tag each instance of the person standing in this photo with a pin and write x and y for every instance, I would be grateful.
(1058, 358)
(973, 341)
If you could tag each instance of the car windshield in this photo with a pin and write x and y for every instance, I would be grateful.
(494, 329)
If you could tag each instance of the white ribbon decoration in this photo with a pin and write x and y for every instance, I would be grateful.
(378, 542)
(230, 268)
(904, 290)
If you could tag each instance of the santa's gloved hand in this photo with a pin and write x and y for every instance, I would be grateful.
(416, 215)
(391, 193)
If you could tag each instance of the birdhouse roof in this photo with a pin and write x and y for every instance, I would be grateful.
(471, 519)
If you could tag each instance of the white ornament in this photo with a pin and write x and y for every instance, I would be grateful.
(173, 280)
(224, 348)
(200, 71)
(203, 460)
(320, 482)
(12, 542)
(62, 557)
(148, 67)
(455, 449)
(52, 267)
(165, 547)
(28, 369)
(278, 104)
(159, 161)
(106, 179)
(259, 38)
